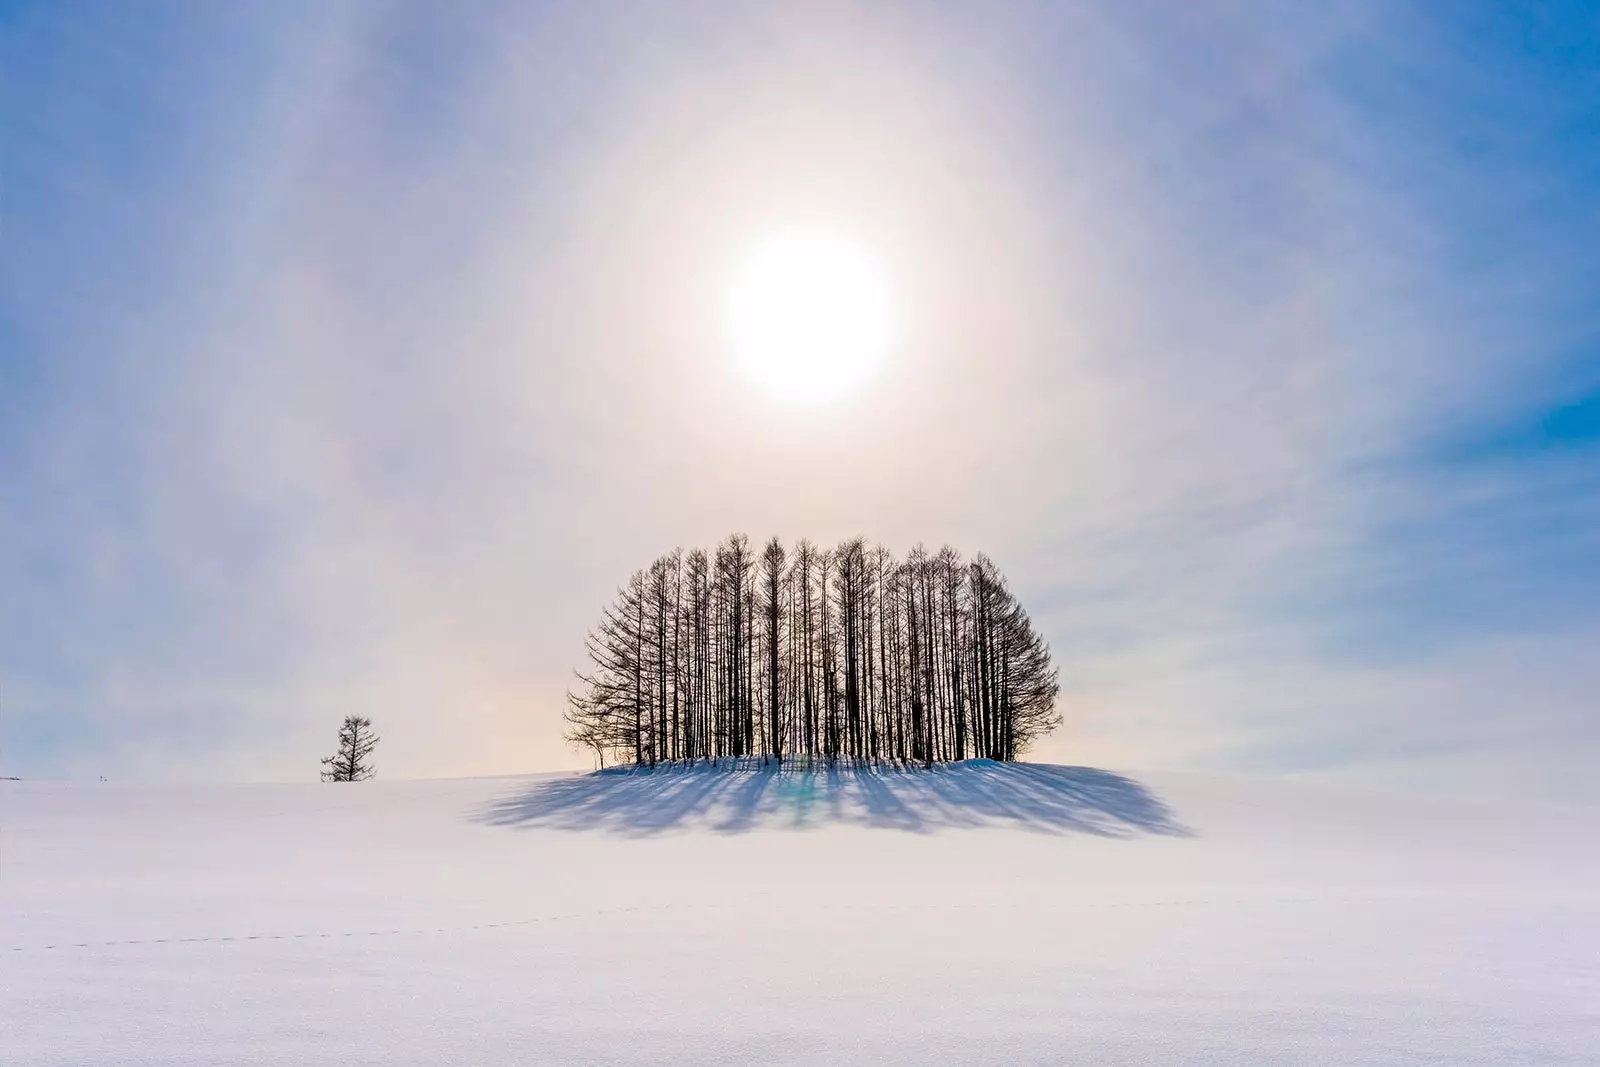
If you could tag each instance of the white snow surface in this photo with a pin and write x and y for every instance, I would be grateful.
(979, 914)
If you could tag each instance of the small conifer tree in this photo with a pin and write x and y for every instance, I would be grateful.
(356, 742)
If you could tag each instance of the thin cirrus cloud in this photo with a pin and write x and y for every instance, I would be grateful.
(350, 357)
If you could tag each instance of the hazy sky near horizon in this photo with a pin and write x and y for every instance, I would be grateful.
(351, 354)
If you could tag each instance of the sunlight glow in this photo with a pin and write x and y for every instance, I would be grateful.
(809, 316)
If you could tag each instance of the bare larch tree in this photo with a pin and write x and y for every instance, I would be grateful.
(356, 742)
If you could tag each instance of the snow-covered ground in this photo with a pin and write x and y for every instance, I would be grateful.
(980, 914)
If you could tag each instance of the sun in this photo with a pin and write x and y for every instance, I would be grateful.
(808, 316)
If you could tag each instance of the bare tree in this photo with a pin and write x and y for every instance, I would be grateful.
(356, 742)
(774, 589)
(588, 726)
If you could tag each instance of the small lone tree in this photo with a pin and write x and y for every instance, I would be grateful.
(589, 726)
(356, 742)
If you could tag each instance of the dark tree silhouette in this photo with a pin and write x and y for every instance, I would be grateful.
(356, 742)
(814, 654)
(774, 603)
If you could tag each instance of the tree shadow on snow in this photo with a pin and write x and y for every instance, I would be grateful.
(738, 796)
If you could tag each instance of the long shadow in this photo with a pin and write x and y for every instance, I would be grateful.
(738, 796)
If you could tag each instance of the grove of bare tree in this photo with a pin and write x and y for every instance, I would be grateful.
(813, 654)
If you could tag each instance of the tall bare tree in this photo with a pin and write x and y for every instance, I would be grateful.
(774, 578)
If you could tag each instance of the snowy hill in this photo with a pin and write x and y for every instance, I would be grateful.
(976, 914)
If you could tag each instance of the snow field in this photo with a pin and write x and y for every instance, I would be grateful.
(1026, 915)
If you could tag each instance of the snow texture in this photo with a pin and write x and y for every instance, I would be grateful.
(976, 914)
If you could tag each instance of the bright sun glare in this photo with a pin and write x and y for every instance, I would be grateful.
(809, 316)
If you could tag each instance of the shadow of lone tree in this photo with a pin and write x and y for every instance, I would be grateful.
(742, 795)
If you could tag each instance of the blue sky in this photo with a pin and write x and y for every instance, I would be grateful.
(349, 354)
